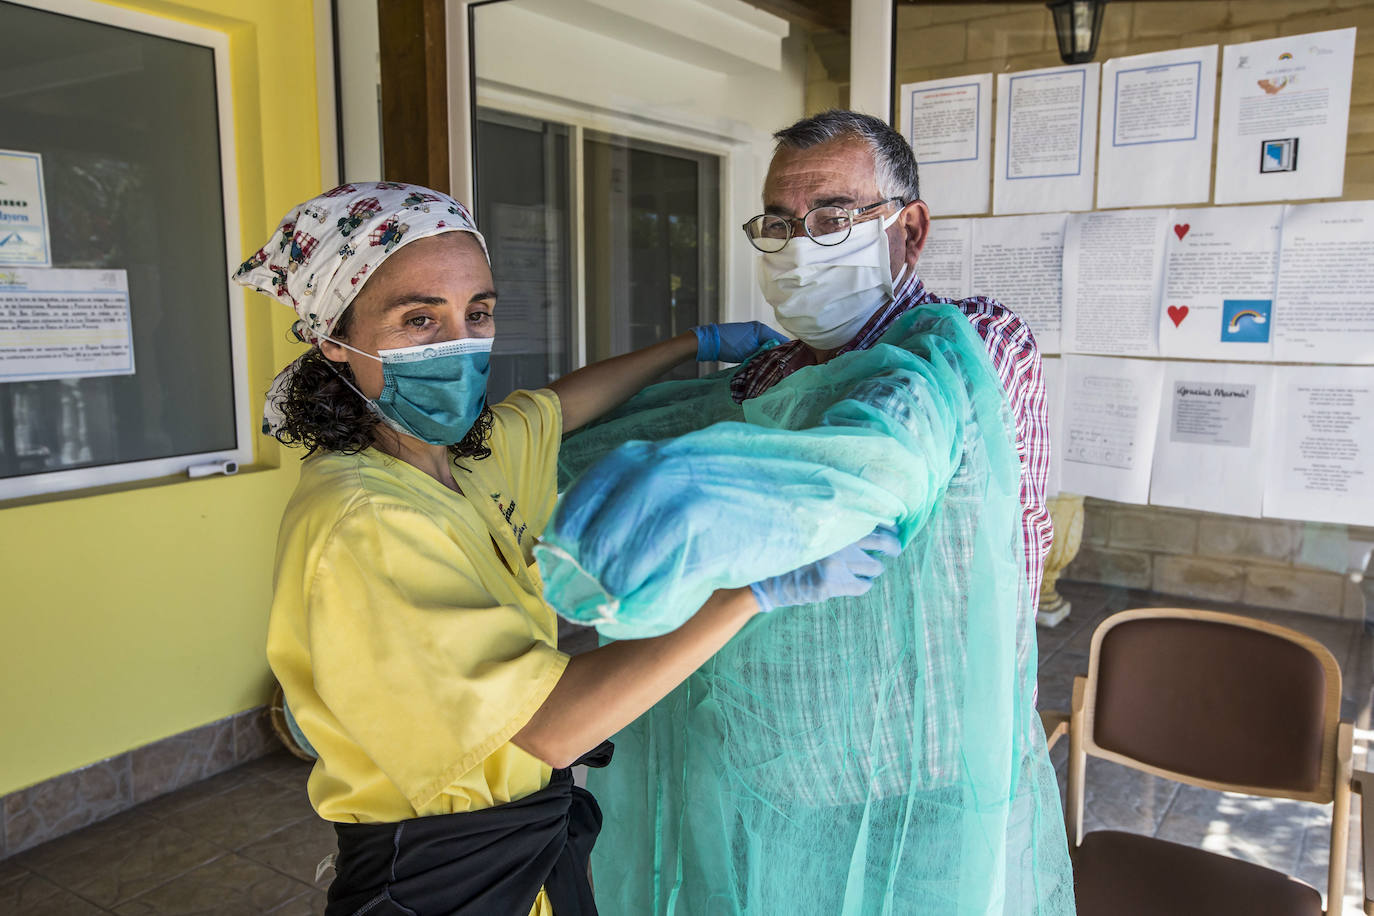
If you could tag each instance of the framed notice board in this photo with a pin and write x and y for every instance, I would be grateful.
(122, 351)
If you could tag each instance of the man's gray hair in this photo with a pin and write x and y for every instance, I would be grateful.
(894, 163)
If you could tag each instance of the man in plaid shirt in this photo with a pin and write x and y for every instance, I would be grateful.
(845, 159)
(837, 285)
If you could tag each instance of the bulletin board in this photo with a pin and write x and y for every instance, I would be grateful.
(121, 339)
(1188, 220)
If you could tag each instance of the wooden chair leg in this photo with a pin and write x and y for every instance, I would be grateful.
(1363, 783)
(1340, 820)
(1078, 761)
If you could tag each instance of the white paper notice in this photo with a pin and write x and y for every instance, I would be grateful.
(1219, 268)
(1324, 306)
(1052, 369)
(1110, 410)
(1285, 105)
(1156, 143)
(1046, 122)
(1321, 464)
(64, 324)
(1212, 437)
(526, 254)
(1018, 260)
(23, 211)
(1112, 276)
(949, 125)
(944, 264)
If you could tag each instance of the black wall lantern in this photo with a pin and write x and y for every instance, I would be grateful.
(1077, 23)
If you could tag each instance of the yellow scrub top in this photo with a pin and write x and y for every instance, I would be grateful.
(408, 649)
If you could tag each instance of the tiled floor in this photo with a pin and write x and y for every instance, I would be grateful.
(247, 841)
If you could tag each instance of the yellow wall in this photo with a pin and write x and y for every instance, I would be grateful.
(139, 613)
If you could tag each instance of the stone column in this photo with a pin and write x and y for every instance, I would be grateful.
(1066, 510)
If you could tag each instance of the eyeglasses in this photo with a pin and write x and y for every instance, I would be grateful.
(825, 226)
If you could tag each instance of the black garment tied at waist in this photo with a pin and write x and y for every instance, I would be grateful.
(489, 862)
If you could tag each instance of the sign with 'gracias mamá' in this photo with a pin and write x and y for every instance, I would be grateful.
(23, 211)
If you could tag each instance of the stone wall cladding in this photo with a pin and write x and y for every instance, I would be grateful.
(70, 801)
(1127, 568)
(1296, 590)
(1245, 539)
(1293, 566)
(1195, 577)
(1155, 530)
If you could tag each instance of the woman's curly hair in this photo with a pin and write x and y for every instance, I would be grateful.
(321, 411)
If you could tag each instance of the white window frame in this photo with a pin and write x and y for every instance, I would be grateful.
(245, 430)
(579, 119)
(743, 154)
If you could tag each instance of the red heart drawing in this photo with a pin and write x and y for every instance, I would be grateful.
(1181, 229)
(1178, 312)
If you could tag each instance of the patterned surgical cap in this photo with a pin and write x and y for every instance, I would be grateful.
(326, 248)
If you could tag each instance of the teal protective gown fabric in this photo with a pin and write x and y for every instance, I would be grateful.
(878, 754)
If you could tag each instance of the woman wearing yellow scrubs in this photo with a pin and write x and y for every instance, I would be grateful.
(408, 628)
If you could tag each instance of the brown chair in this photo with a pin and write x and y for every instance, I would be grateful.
(1218, 701)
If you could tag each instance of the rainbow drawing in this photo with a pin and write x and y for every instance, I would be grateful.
(1285, 56)
(1235, 328)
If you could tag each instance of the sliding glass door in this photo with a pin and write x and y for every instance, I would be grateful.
(641, 264)
(524, 209)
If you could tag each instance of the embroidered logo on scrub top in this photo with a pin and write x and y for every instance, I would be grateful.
(508, 512)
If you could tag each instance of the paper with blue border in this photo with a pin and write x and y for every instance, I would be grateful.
(1045, 157)
(1156, 142)
(24, 237)
(948, 123)
(57, 324)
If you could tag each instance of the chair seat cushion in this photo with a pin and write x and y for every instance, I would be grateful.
(1125, 874)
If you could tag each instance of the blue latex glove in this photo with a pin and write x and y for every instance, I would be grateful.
(734, 342)
(849, 572)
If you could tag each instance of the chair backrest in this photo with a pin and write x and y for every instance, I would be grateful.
(1216, 700)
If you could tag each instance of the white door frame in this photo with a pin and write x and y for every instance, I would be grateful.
(871, 53)
(735, 154)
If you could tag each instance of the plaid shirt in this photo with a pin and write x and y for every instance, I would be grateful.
(1017, 361)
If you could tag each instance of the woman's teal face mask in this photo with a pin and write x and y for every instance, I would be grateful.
(434, 392)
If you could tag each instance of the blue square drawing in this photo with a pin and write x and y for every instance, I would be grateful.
(1279, 155)
(1245, 320)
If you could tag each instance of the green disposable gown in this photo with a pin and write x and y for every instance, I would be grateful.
(878, 754)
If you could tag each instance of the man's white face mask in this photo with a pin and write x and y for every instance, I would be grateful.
(823, 294)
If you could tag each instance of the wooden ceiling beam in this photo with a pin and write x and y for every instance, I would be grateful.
(414, 92)
(826, 15)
